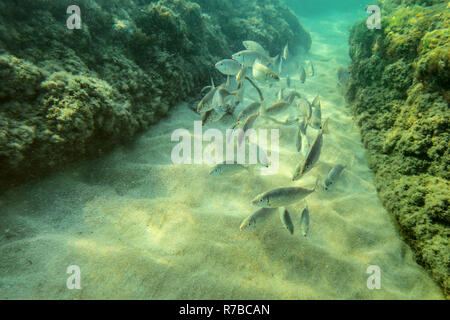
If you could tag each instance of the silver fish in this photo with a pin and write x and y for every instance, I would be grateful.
(302, 126)
(316, 102)
(259, 216)
(302, 74)
(285, 52)
(262, 73)
(286, 220)
(311, 159)
(252, 108)
(247, 125)
(227, 169)
(304, 221)
(207, 99)
(332, 176)
(248, 57)
(281, 197)
(276, 108)
(254, 46)
(228, 67)
(305, 108)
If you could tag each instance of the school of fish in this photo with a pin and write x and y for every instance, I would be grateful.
(254, 65)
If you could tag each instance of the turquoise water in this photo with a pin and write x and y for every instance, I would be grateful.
(139, 226)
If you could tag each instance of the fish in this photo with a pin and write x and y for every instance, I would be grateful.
(288, 81)
(207, 99)
(252, 108)
(257, 217)
(249, 122)
(254, 46)
(304, 221)
(263, 73)
(311, 158)
(286, 220)
(316, 102)
(305, 145)
(290, 97)
(332, 176)
(302, 126)
(305, 108)
(282, 197)
(285, 52)
(228, 67)
(316, 119)
(248, 57)
(276, 108)
(316, 116)
(310, 67)
(227, 169)
(241, 74)
(302, 74)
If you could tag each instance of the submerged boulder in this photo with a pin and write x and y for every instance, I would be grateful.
(399, 94)
(67, 94)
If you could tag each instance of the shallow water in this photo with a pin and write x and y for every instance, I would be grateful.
(140, 227)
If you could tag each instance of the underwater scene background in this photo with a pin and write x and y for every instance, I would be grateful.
(87, 177)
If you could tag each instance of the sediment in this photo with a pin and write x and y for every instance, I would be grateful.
(399, 96)
(71, 94)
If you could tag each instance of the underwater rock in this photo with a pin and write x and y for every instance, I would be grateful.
(398, 91)
(69, 94)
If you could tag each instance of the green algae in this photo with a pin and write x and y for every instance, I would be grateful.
(398, 92)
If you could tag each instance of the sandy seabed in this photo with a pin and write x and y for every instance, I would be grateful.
(140, 227)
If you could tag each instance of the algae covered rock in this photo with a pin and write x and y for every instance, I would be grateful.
(68, 94)
(399, 97)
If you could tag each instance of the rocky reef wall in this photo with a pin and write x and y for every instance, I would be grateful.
(399, 95)
(69, 94)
